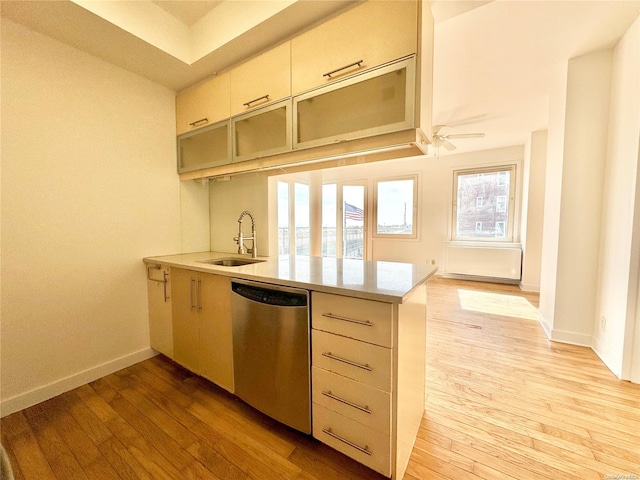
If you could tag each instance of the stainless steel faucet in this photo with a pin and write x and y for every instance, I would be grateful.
(242, 249)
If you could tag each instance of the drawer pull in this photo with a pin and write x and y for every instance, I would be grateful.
(366, 323)
(328, 74)
(364, 449)
(348, 362)
(248, 104)
(197, 123)
(364, 409)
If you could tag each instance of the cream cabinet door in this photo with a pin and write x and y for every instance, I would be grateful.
(371, 34)
(262, 80)
(159, 300)
(216, 343)
(203, 104)
(186, 328)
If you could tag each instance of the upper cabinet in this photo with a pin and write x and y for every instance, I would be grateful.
(378, 101)
(371, 34)
(203, 104)
(262, 80)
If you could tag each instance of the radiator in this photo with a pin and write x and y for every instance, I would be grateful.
(484, 261)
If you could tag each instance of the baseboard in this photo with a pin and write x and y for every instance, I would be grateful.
(478, 278)
(563, 336)
(529, 287)
(607, 357)
(40, 394)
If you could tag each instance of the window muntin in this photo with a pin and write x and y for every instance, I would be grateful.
(396, 207)
(491, 221)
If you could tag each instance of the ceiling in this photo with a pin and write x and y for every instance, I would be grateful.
(493, 60)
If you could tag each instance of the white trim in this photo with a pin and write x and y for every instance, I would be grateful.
(572, 338)
(529, 287)
(608, 357)
(40, 394)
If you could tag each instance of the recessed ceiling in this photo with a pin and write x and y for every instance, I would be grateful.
(187, 11)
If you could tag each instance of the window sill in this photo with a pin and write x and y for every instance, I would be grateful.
(483, 244)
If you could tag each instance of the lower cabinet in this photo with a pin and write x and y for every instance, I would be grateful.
(201, 313)
(159, 300)
(368, 360)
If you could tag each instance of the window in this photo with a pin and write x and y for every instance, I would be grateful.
(396, 207)
(293, 210)
(483, 204)
(343, 220)
(301, 210)
(283, 218)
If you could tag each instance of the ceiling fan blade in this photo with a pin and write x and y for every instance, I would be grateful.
(447, 144)
(465, 135)
(437, 128)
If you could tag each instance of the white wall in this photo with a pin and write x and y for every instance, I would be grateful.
(534, 171)
(618, 262)
(552, 196)
(577, 197)
(228, 200)
(89, 187)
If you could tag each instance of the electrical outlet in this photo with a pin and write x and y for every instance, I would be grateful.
(603, 323)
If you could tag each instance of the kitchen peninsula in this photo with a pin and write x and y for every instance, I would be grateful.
(370, 312)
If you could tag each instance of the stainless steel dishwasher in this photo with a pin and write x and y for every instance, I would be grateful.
(271, 353)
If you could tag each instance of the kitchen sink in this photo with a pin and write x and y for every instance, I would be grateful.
(231, 262)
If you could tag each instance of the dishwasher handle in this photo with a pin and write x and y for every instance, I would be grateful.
(271, 294)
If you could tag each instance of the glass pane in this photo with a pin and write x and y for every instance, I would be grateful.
(353, 221)
(283, 218)
(301, 212)
(207, 147)
(395, 207)
(486, 219)
(372, 103)
(329, 220)
(261, 133)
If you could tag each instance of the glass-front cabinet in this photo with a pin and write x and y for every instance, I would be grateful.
(378, 101)
(203, 148)
(262, 132)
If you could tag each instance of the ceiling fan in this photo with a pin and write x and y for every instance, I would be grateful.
(440, 140)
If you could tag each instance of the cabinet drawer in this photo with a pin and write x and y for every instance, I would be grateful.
(366, 363)
(364, 320)
(360, 402)
(354, 439)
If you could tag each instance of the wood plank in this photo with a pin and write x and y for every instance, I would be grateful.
(502, 402)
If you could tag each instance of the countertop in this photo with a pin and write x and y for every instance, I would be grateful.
(391, 282)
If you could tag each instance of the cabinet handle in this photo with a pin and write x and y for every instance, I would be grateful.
(364, 366)
(364, 409)
(197, 123)
(165, 279)
(191, 289)
(366, 323)
(248, 104)
(328, 74)
(199, 295)
(364, 449)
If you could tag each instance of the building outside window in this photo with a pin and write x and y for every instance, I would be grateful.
(483, 204)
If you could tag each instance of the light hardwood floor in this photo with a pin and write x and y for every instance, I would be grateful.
(502, 403)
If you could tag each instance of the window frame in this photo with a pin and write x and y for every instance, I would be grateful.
(510, 204)
(414, 213)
